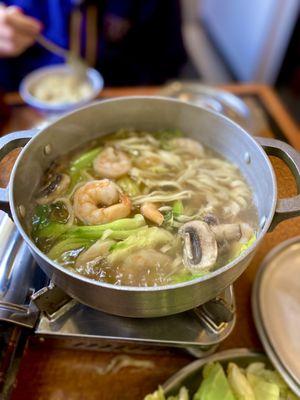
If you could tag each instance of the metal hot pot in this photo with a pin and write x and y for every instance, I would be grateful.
(147, 113)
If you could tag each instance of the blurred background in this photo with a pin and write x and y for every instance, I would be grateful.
(247, 41)
(150, 42)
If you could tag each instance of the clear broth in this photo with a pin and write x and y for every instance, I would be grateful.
(203, 185)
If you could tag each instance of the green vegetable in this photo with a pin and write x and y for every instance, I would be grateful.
(291, 396)
(95, 232)
(79, 164)
(255, 383)
(119, 229)
(157, 395)
(168, 218)
(183, 394)
(75, 237)
(143, 238)
(214, 385)
(129, 186)
(171, 215)
(258, 369)
(122, 226)
(167, 134)
(53, 230)
(186, 276)
(120, 235)
(43, 221)
(66, 245)
(40, 218)
(76, 177)
(83, 236)
(262, 389)
(239, 383)
(85, 160)
(164, 136)
(242, 247)
(248, 244)
(177, 208)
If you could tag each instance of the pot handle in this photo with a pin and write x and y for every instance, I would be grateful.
(289, 207)
(7, 144)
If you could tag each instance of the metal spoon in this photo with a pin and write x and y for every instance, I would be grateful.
(77, 64)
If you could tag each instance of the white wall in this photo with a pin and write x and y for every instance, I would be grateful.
(252, 34)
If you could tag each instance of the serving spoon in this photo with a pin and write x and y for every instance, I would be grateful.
(76, 63)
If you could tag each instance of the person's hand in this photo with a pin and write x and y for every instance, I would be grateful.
(17, 31)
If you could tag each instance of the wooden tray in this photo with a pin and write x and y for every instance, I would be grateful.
(49, 370)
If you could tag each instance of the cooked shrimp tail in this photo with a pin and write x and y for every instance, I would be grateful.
(150, 211)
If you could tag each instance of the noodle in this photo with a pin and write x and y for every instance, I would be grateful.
(156, 185)
(159, 197)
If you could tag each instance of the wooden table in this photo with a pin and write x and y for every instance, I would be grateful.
(50, 371)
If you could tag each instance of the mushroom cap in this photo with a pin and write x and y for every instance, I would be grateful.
(200, 250)
(230, 232)
(58, 185)
(211, 219)
(239, 232)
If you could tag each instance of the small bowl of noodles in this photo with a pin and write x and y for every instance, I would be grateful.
(58, 88)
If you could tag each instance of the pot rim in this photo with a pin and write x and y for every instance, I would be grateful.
(155, 289)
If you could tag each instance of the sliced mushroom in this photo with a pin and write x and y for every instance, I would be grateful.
(211, 219)
(200, 250)
(232, 232)
(58, 185)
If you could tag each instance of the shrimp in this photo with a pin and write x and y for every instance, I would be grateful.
(187, 145)
(150, 211)
(148, 160)
(111, 163)
(100, 201)
(144, 267)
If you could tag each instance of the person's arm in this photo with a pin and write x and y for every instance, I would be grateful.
(17, 31)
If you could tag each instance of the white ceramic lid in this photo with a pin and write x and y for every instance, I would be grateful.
(276, 309)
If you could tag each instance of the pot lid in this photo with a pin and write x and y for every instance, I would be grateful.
(211, 98)
(276, 309)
